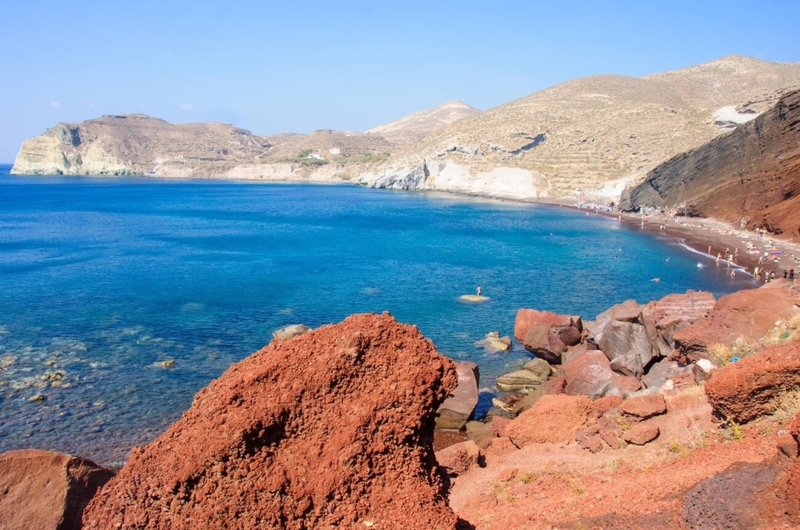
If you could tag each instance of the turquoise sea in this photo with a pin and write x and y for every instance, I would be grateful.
(103, 279)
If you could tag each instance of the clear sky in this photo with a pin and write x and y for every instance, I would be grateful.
(349, 65)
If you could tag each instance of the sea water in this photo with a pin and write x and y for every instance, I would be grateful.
(103, 280)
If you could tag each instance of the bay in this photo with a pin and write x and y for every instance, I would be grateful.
(104, 279)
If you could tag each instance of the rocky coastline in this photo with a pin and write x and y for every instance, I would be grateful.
(335, 427)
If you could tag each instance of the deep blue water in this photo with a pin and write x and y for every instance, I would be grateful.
(102, 279)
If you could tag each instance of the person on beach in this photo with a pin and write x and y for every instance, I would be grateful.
(478, 291)
(733, 274)
(755, 272)
(791, 274)
(718, 255)
(785, 274)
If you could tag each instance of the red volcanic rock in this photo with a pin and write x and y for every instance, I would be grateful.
(45, 490)
(690, 306)
(527, 318)
(459, 458)
(553, 419)
(588, 374)
(644, 407)
(641, 434)
(604, 404)
(750, 313)
(333, 428)
(746, 389)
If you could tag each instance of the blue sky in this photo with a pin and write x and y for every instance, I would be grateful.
(303, 65)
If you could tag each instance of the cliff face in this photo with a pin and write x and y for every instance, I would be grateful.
(135, 144)
(751, 175)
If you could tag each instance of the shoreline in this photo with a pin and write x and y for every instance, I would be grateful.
(703, 233)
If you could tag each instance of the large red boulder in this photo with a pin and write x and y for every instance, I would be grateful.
(333, 428)
(590, 374)
(553, 419)
(750, 314)
(45, 490)
(747, 388)
(527, 318)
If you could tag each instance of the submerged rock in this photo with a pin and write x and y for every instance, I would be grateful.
(331, 429)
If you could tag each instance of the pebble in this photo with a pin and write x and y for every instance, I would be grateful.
(36, 398)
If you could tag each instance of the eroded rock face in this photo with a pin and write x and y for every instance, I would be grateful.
(746, 389)
(46, 490)
(331, 428)
(752, 172)
(750, 313)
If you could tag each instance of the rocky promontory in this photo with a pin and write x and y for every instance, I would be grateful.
(750, 177)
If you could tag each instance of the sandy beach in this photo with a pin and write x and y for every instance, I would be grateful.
(712, 237)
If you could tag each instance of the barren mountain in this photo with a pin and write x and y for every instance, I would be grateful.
(751, 175)
(418, 125)
(592, 134)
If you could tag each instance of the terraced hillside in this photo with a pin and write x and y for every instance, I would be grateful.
(594, 134)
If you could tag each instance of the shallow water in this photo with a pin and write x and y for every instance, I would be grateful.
(101, 280)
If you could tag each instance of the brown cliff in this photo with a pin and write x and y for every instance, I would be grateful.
(751, 175)
(331, 428)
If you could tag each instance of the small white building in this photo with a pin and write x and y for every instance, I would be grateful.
(335, 151)
(315, 155)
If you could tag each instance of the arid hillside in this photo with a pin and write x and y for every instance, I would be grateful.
(592, 134)
(416, 126)
(750, 176)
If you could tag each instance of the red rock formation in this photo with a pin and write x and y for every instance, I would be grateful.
(460, 458)
(750, 313)
(752, 173)
(645, 406)
(45, 490)
(554, 418)
(746, 389)
(333, 428)
(527, 318)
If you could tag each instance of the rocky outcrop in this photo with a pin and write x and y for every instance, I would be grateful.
(751, 174)
(331, 428)
(533, 373)
(633, 335)
(135, 144)
(748, 388)
(590, 374)
(553, 419)
(460, 458)
(548, 335)
(748, 314)
(46, 490)
(458, 408)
